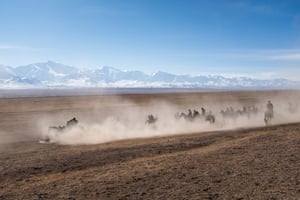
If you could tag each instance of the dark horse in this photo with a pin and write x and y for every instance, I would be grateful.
(210, 118)
(60, 129)
(151, 119)
(72, 122)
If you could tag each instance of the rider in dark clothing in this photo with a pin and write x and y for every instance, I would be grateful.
(190, 114)
(72, 122)
(203, 111)
(151, 117)
(270, 107)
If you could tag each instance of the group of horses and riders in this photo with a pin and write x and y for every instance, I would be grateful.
(190, 116)
(229, 112)
(195, 114)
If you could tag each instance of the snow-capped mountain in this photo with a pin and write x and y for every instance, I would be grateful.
(45, 72)
(52, 74)
(6, 72)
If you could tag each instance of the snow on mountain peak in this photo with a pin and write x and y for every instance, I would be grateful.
(6, 72)
(52, 74)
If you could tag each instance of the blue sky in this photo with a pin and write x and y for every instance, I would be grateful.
(248, 37)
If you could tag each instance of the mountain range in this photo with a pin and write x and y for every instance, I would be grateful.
(55, 75)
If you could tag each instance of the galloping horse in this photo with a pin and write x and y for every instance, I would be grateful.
(56, 130)
(151, 119)
(72, 122)
(210, 118)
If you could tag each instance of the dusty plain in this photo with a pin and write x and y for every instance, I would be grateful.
(244, 163)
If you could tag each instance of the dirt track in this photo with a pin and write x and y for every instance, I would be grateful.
(258, 163)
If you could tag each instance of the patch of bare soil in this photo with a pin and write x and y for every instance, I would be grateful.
(260, 163)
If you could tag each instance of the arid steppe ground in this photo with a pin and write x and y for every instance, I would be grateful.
(241, 163)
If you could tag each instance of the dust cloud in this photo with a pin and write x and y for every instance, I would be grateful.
(128, 120)
(4, 138)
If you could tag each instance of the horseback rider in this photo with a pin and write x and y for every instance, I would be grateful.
(72, 122)
(269, 113)
(210, 118)
(196, 113)
(270, 108)
(150, 117)
(190, 114)
(203, 112)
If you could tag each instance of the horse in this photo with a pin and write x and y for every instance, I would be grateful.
(56, 130)
(210, 118)
(187, 117)
(72, 122)
(268, 117)
(151, 119)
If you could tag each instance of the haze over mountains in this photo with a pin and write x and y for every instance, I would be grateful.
(55, 75)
